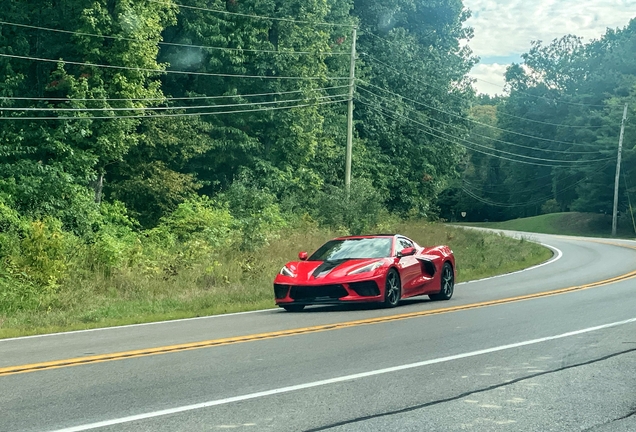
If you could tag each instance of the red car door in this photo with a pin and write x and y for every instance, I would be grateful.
(410, 268)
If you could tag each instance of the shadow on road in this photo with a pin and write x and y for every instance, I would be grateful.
(360, 306)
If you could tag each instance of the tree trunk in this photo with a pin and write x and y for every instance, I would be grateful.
(99, 187)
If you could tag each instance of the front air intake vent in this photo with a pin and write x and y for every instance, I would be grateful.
(280, 291)
(365, 289)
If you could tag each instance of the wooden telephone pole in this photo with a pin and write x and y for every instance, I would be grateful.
(352, 81)
(618, 174)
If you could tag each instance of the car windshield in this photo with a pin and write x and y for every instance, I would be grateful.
(360, 248)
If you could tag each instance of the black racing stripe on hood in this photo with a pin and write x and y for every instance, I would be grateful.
(326, 267)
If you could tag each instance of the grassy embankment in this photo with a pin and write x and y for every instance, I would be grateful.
(574, 224)
(239, 281)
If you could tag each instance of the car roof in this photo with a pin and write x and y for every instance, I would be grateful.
(367, 236)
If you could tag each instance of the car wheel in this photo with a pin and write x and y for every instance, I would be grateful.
(448, 284)
(392, 289)
(294, 308)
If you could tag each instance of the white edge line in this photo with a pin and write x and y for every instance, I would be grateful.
(165, 412)
(133, 325)
(554, 259)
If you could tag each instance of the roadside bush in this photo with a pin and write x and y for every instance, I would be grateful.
(17, 293)
(256, 214)
(360, 212)
(550, 206)
(43, 253)
(198, 218)
(116, 242)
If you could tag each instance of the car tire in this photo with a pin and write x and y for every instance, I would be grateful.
(294, 308)
(392, 289)
(447, 284)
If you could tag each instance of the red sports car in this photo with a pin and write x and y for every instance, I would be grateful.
(366, 269)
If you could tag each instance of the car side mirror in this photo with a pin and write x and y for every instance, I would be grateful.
(406, 252)
(303, 256)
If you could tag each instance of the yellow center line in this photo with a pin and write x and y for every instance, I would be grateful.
(34, 367)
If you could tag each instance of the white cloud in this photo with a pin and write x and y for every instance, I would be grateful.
(504, 29)
(490, 78)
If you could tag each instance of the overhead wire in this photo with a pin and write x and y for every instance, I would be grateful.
(518, 191)
(170, 98)
(176, 114)
(474, 195)
(490, 148)
(159, 71)
(459, 98)
(253, 16)
(164, 108)
(488, 82)
(485, 136)
(181, 45)
(471, 120)
(470, 143)
(509, 184)
(547, 98)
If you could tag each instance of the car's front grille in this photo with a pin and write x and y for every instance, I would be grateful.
(365, 289)
(307, 293)
(280, 291)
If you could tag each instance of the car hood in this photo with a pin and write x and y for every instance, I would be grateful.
(327, 271)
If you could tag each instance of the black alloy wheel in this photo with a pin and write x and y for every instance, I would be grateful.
(392, 289)
(448, 284)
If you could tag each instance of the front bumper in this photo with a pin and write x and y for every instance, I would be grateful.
(359, 291)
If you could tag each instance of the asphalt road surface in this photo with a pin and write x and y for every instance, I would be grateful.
(562, 362)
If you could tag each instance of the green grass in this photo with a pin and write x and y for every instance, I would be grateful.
(239, 281)
(575, 224)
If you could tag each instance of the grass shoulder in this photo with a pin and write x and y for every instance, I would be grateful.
(237, 281)
(572, 224)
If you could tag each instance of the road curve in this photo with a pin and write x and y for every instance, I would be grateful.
(550, 362)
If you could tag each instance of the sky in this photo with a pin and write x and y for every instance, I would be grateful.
(504, 29)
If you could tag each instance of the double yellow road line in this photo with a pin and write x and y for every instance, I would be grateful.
(78, 361)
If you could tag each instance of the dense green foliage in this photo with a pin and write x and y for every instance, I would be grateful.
(562, 118)
(158, 136)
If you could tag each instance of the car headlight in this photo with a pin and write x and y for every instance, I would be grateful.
(366, 268)
(285, 271)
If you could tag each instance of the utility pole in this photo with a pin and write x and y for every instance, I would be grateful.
(618, 174)
(352, 81)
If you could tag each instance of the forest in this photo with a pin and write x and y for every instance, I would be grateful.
(149, 137)
(555, 135)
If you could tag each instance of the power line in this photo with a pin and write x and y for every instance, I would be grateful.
(485, 136)
(261, 17)
(174, 115)
(517, 191)
(383, 112)
(503, 205)
(457, 97)
(512, 184)
(430, 33)
(474, 121)
(479, 79)
(170, 71)
(172, 43)
(517, 205)
(547, 98)
(493, 149)
(168, 98)
(31, 109)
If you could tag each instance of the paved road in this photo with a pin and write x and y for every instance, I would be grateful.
(563, 362)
